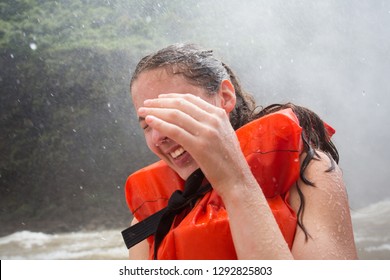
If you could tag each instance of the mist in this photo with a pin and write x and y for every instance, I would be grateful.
(330, 56)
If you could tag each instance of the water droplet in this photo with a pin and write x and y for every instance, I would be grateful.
(11, 55)
(82, 170)
(33, 46)
(81, 187)
(74, 130)
(109, 105)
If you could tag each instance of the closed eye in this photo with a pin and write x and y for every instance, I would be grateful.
(142, 123)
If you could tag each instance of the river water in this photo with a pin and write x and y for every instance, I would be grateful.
(371, 227)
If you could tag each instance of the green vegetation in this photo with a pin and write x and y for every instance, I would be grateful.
(69, 137)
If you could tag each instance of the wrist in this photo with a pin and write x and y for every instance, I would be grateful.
(242, 186)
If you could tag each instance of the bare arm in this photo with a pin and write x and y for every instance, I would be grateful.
(141, 250)
(326, 217)
(256, 235)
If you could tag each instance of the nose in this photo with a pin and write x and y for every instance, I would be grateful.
(158, 138)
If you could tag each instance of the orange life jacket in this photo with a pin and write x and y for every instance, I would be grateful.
(271, 145)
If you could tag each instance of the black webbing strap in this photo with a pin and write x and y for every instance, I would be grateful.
(160, 222)
(177, 203)
(142, 230)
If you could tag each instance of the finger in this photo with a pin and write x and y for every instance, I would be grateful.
(180, 104)
(194, 99)
(174, 117)
(172, 131)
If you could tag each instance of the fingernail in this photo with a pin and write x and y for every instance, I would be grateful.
(149, 119)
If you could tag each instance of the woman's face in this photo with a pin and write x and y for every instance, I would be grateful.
(149, 85)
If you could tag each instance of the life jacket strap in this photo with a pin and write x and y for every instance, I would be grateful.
(160, 222)
(142, 230)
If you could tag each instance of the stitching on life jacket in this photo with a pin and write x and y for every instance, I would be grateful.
(146, 201)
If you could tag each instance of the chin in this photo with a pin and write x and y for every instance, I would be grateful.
(184, 174)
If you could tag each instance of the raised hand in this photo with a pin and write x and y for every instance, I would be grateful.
(203, 130)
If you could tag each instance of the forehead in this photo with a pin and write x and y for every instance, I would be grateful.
(151, 83)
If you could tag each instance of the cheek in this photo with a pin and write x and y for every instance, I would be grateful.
(151, 145)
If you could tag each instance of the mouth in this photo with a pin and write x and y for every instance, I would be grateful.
(181, 161)
(177, 153)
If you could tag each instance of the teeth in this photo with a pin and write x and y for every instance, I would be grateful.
(177, 153)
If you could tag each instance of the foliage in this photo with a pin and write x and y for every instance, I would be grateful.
(69, 137)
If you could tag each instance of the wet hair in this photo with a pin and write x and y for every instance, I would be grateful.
(315, 138)
(201, 68)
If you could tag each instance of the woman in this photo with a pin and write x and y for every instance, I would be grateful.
(189, 105)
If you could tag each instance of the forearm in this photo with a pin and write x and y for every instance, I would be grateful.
(256, 235)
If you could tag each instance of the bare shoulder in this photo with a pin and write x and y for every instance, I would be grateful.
(327, 181)
(326, 214)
